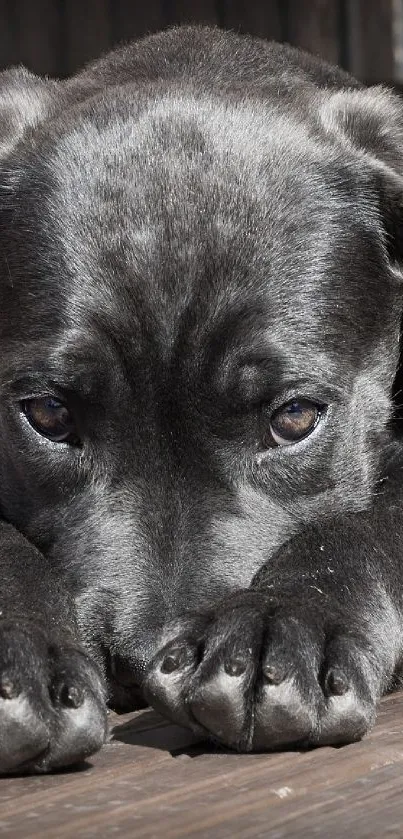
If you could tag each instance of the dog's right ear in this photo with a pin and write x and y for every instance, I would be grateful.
(25, 101)
(370, 120)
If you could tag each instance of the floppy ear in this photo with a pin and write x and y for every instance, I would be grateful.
(371, 121)
(25, 100)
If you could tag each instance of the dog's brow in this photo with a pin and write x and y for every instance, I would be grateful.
(59, 377)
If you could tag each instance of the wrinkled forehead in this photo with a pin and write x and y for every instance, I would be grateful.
(190, 220)
(180, 175)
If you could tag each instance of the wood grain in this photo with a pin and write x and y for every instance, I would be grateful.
(87, 31)
(132, 19)
(59, 36)
(37, 37)
(261, 19)
(314, 25)
(370, 40)
(153, 780)
(198, 11)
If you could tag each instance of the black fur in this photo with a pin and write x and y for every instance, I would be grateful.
(193, 231)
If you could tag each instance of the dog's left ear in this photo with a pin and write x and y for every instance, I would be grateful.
(371, 121)
(25, 101)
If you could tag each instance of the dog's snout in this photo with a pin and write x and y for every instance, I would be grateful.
(127, 673)
(129, 670)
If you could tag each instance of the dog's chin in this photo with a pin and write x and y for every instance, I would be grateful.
(123, 699)
(124, 691)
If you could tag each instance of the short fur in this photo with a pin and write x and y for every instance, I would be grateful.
(194, 230)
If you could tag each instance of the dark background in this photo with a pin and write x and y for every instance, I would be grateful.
(56, 37)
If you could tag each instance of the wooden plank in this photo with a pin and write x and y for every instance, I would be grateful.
(8, 51)
(397, 32)
(370, 39)
(261, 19)
(197, 11)
(87, 31)
(137, 787)
(130, 19)
(37, 31)
(314, 25)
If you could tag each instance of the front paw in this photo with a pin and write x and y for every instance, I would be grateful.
(52, 703)
(257, 675)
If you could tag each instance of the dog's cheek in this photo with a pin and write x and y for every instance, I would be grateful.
(362, 428)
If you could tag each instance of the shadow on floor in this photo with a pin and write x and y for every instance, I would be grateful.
(151, 731)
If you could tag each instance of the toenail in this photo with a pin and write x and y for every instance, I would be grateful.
(173, 660)
(8, 690)
(235, 666)
(337, 682)
(72, 697)
(273, 673)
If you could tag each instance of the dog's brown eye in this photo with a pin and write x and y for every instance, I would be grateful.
(293, 421)
(51, 418)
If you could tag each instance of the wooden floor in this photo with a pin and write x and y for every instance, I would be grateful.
(152, 780)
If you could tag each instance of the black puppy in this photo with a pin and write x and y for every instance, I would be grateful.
(200, 485)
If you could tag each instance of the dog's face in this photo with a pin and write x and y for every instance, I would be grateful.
(197, 345)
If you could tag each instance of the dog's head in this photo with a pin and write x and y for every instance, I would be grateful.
(199, 324)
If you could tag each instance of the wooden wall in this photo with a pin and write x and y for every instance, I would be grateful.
(57, 36)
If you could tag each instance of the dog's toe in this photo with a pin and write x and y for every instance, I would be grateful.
(52, 704)
(24, 737)
(265, 679)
